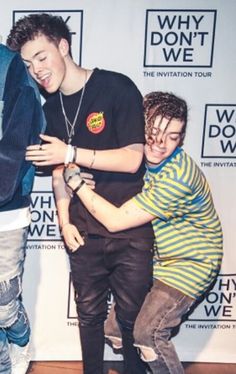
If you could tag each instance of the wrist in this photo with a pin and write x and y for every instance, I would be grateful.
(71, 175)
(63, 225)
(71, 154)
(74, 182)
(76, 189)
(93, 159)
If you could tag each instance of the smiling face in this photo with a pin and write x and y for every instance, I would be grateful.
(165, 137)
(46, 61)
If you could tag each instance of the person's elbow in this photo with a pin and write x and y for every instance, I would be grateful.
(113, 227)
(135, 158)
(136, 164)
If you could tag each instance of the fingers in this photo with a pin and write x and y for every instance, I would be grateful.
(46, 154)
(72, 238)
(90, 183)
(75, 245)
(73, 248)
(86, 175)
(48, 138)
(88, 178)
(38, 156)
(35, 147)
(52, 152)
(36, 152)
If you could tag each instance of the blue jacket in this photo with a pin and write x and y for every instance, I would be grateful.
(21, 122)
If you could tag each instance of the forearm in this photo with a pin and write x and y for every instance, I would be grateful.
(126, 159)
(113, 218)
(100, 208)
(54, 152)
(61, 196)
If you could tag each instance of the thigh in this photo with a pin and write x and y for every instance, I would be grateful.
(12, 252)
(131, 277)
(162, 310)
(90, 280)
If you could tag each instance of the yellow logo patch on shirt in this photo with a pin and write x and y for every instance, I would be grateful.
(95, 122)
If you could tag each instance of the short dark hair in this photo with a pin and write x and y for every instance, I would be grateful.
(28, 27)
(167, 105)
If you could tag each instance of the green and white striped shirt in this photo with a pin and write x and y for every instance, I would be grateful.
(188, 234)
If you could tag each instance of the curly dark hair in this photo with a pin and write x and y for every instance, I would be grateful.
(166, 105)
(28, 27)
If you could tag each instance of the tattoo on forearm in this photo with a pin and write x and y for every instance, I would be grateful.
(127, 212)
(93, 210)
(126, 209)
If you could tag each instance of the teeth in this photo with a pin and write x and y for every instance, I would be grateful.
(159, 150)
(42, 78)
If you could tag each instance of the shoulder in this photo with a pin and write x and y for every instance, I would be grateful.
(7, 54)
(115, 79)
(182, 160)
(188, 170)
(176, 166)
(15, 71)
(186, 161)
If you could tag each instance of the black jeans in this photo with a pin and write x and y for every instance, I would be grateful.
(123, 266)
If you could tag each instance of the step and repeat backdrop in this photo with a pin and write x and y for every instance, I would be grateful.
(183, 46)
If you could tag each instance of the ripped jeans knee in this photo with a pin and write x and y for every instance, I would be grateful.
(10, 291)
(13, 317)
(147, 354)
(113, 334)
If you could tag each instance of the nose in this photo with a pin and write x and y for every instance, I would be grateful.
(160, 137)
(36, 68)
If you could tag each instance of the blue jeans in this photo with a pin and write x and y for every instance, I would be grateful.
(162, 311)
(123, 266)
(14, 324)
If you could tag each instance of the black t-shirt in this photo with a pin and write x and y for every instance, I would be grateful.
(110, 117)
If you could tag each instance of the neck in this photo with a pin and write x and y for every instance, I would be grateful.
(151, 165)
(74, 78)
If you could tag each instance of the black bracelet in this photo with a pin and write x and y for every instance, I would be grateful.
(75, 155)
(81, 183)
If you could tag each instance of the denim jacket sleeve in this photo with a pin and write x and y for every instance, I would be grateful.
(21, 124)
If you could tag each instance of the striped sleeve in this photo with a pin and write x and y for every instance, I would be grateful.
(165, 198)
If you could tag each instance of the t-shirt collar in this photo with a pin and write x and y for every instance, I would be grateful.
(159, 167)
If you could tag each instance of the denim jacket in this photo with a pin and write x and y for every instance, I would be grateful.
(21, 122)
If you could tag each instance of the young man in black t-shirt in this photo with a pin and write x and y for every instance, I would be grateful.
(95, 119)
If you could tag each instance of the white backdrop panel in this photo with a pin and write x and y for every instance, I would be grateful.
(184, 46)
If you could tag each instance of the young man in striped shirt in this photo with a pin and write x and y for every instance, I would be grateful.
(188, 235)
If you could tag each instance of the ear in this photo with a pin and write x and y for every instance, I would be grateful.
(63, 47)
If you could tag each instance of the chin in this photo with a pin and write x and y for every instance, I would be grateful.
(153, 161)
(49, 89)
